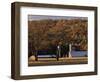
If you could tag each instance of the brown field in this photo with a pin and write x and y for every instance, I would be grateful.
(53, 61)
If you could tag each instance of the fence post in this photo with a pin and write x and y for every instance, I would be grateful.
(36, 57)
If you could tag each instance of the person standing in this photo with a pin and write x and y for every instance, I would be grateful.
(70, 49)
(66, 50)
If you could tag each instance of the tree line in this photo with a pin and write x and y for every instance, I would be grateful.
(43, 34)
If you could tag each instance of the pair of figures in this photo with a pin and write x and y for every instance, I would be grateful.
(64, 50)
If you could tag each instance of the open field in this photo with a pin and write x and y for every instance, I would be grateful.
(62, 61)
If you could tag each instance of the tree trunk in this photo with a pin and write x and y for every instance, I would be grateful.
(36, 56)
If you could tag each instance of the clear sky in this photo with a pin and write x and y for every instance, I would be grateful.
(41, 17)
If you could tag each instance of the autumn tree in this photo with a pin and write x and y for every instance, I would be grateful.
(43, 34)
